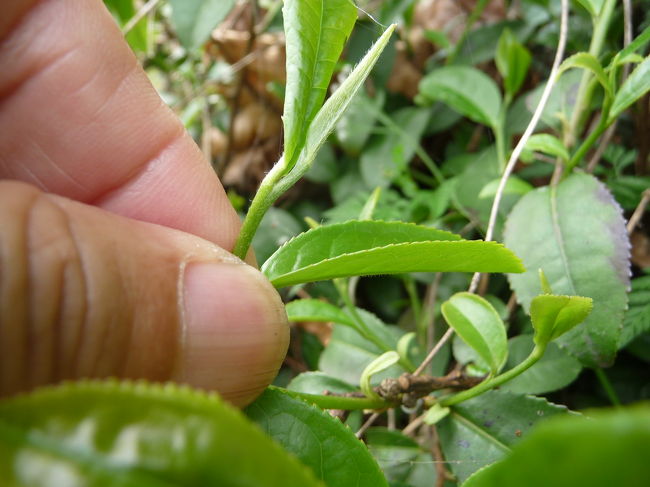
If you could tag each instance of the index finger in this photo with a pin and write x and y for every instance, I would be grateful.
(79, 118)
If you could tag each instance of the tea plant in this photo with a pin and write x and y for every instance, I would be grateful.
(566, 257)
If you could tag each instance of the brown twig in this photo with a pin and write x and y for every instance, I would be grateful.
(369, 422)
(638, 212)
(442, 474)
(408, 388)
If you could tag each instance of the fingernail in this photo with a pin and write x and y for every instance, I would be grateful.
(234, 330)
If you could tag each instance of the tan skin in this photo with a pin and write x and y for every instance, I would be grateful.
(112, 225)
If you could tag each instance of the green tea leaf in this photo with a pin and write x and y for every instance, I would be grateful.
(604, 450)
(589, 62)
(374, 247)
(316, 310)
(315, 34)
(319, 383)
(634, 87)
(317, 439)
(194, 20)
(555, 370)
(479, 325)
(639, 41)
(467, 90)
(403, 461)
(136, 435)
(514, 185)
(381, 363)
(553, 316)
(512, 60)
(577, 235)
(328, 116)
(484, 429)
(548, 144)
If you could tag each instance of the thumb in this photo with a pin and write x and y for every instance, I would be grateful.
(86, 293)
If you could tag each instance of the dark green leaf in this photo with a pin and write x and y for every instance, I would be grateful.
(136, 435)
(512, 60)
(402, 460)
(553, 315)
(373, 247)
(634, 87)
(577, 235)
(317, 439)
(480, 327)
(555, 370)
(604, 451)
(315, 34)
(484, 429)
(194, 20)
(467, 90)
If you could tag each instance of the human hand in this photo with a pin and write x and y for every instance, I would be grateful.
(112, 225)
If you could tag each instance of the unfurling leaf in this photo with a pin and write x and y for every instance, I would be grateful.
(553, 316)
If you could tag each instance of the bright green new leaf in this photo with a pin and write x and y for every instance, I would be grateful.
(467, 90)
(634, 87)
(319, 440)
(315, 34)
(436, 413)
(512, 60)
(316, 310)
(373, 247)
(194, 20)
(576, 234)
(381, 363)
(484, 429)
(328, 116)
(475, 320)
(608, 449)
(514, 185)
(136, 435)
(553, 316)
(589, 62)
(548, 144)
(639, 41)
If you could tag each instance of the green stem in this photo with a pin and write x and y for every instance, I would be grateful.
(583, 99)
(338, 402)
(488, 384)
(262, 201)
(607, 386)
